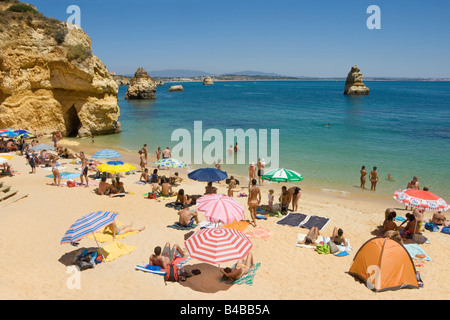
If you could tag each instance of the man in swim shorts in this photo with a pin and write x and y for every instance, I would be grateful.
(84, 168)
(187, 218)
(164, 258)
(261, 165)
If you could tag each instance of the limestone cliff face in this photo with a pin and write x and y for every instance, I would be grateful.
(50, 80)
(142, 86)
(354, 84)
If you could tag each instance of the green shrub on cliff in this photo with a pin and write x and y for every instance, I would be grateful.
(21, 7)
(78, 52)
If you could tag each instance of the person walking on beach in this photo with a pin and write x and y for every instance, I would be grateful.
(142, 161)
(251, 173)
(84, 167)
(254, 199)
(145, 152)
(373, 179)
(363, 177)
(261, 165)
(32, 163)
(56, 174)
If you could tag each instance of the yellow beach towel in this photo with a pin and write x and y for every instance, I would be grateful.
(115, 250)
(107, 236)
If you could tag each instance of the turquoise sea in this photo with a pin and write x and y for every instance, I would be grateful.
(402, 127)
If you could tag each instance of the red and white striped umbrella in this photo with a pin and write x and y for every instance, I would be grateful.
(421, 199)
(217, 245)
(219, 207)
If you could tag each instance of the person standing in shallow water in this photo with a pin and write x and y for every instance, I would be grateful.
(373, 179)
(363, 177)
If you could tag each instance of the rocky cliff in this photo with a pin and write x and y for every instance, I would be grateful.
(354, 84)
(207, 81)
(142, 86)
(49, 78)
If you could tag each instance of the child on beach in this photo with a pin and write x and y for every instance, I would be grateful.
(271, 197)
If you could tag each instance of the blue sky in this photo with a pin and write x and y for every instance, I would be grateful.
(290, 37)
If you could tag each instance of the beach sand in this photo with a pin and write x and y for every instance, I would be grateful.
(34, 264)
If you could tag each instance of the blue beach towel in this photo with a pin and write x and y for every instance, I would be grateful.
(66, 175)
(414, 249)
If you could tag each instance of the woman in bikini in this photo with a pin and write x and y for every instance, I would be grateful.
(242, 268)
(112, 228)
(56, 174)
(338, 237)
(363, 177)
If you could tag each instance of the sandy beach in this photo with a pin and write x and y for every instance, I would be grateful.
(35, 265)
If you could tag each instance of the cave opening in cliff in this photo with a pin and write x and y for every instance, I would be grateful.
(72, 121)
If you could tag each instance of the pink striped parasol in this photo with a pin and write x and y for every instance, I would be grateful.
(219, 207)
(217, 245)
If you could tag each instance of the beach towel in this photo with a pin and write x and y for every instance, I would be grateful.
(177, 226)
(179, 261)
(247, 279)
(241, 225)
(341, 248)
(115, 250)
(207, 225)
(66, 175)
(261, 217)
(292, 219)
(107, 235)
(342, 254)
(415, 250)
(177, 207)
(301, 237)
(315, 221)
(142, 183)
(259, 233)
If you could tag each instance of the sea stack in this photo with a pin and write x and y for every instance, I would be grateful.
(207, 81)
(176, 88)
(49, 78)
(354, 85)
(142, 86)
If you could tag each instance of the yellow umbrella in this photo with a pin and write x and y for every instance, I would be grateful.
(115, 167)
(7, 156)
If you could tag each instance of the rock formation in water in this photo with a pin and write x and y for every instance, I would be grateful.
(207, 81)
(142, 86)
(176, 88)
(121, 80)
(354, 84)
(49, 78)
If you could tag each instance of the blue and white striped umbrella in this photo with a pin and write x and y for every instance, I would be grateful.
(170, 163)
(88, 224)
(8, 134)
(106, 154)
(42, 146)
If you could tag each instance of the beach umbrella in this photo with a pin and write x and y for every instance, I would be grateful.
(218, 245)
(115, 167)
(208, 174)
(24, 133)
(421, 199)
(220, 208)
(8, 134)
(6, 156)
(282, 175)
(40, 147)
(170, 163)
(88, 224)
(106, 154)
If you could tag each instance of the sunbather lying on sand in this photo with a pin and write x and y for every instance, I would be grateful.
(311, 237)
(112, 227)
(338, 237)
(164, 258)
(242, 267)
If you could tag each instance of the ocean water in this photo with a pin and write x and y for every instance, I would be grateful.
(402, 127)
